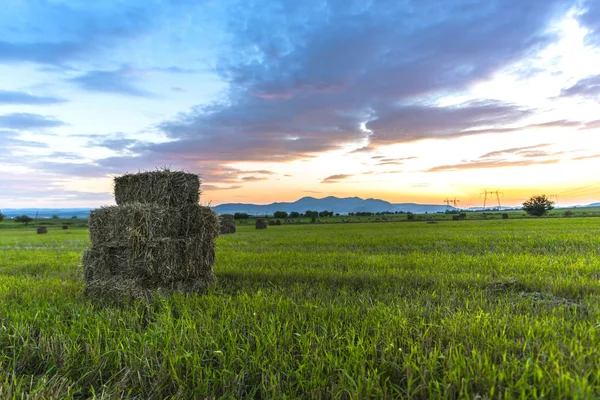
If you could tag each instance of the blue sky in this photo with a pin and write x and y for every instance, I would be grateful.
(274, 100)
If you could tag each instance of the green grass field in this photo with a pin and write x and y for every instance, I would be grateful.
(496, 309)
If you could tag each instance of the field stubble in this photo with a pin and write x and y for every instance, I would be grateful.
(497, 309)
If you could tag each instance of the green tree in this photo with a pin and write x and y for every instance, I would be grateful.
(24, 219)
(280, 214)
(55, 216)
(239, 215)
(1, 217)
(538, 205)
(294, 214)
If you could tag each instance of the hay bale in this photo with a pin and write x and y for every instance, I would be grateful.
(227, 223)
(278, 222)
(271, 223)
(134, 222)
(170, 188)
(42, 229)
(261, 224)
(65, 226)
(152, 264)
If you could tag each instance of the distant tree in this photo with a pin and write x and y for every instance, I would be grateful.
(538, 205)
(324, 214)
(74, 217)
(239, 215)
(24, 219)
(280, 214)
(311, 214)
(294, 214)
(1, 217)
(55, 216)
(410, 216)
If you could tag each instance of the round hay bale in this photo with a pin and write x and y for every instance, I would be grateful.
(166, 187)
(271, 223)
(278, 222)
(65, 226)
(261, 224)
(42, 229)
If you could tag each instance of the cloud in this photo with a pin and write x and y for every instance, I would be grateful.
(586, 87)
(25, 121)
(305, 78)
(13, 97)
(335, 178)
(591, 19)
(514, 150)
(587, 157)
(365, 149)
(253, 178)
(215, 188)
(58, 32)
(119, 81)
(394, 161)
(489, 164)
(410, 123)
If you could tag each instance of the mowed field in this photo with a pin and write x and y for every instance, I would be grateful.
(458, 309)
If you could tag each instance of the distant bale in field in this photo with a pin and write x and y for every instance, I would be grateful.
(278, 222)
(227, 224)
(156, 239)
(164, 187)
(271, 223)
(504, 215)
(65, 226)
(42, 229)
(261, 224)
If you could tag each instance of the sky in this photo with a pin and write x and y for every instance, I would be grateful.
(274, 100)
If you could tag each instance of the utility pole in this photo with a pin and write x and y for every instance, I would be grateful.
(447, 201)
(487, 193)
(555, 197)
(484, 194)
(455, 202)
(498, 194)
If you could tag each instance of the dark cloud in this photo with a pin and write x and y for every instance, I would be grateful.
(12, 97)
(305, 77)
(26, 121)
(489, 164)
(119, 81)
(409, 123)
(586, 87)
(336, 178)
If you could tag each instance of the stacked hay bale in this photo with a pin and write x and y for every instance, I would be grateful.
(157, 237)
(227, 223)
(42, 229)
(261, 224)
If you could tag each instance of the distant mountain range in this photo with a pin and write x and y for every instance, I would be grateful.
(337, 205)
(47, 212)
